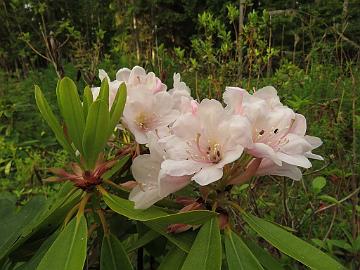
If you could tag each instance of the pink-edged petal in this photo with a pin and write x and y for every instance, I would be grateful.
(267, 92)
(233, 98)
(144, 198)
(103, 75)
(299, 125)
(181, 167)
(169, 184)
(208, 175)
(145, 169)
(314, 141)
(123, 74)
(231, 156)
(298, 160)
(261, 150)
(296, 145)
(313, 156)
(135, 75)
(186, 126)
(95, 92)
(240, 130)
(267, 167)
(210, 111)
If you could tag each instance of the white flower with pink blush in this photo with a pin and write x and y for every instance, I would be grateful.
(153, 184)
(204, 142)
(146, 112)
(181, 95)
(278, 134)
(138, 80)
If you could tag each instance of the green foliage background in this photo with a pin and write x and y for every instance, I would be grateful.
(309, 50)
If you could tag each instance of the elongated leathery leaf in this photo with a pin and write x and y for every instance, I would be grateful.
(35, 260)
(72, 111)
(156, 214)
(69, 249)
(114, 169)
(51, 120)
(113, 255)
(104, 91)
(87, 100)
(267, 260)
(292, 245)
(149, 236)
(183, 240)
(13, 225)
(117, 107)
(238, 255)
(173, 260)
(95, 134)
(205, 253)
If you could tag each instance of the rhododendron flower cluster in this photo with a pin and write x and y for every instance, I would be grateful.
(205, 141)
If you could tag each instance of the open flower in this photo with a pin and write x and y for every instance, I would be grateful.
(138, 80)
(204, 142)
(277, 132)
(144, 113)
(153, 183)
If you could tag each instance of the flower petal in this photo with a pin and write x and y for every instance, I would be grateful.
(267, 167)
(208, 175)
(181, 167)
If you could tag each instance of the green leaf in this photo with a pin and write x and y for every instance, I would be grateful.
(113, 255)
(149, 236)
(35, 260)
(318, 184)
(238, 255)
(117, 107)
(69, 249)
(7, 204)
(104, 92)
(126, 208)
(37, 218)
(114, 169)
(205, 253)
(173, 260)
(13, 225)
(87, 100)
(183, 240)
(56, 210)
(268, 261)
(328, 198)
(51, 120)
(72, 111)
(292, 245)
(95, 134)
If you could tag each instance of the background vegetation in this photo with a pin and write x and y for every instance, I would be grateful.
(309, 50)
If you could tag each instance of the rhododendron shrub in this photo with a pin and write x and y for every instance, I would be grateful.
(153, 169)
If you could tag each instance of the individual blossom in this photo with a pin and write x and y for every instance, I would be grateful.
(153, 183)
(204, 142)
(144, 113)
(278, 133)
(274, 126)
(138, 80)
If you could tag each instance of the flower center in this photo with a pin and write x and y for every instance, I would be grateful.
(209, 152)
(273, 137)
(143, 121)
